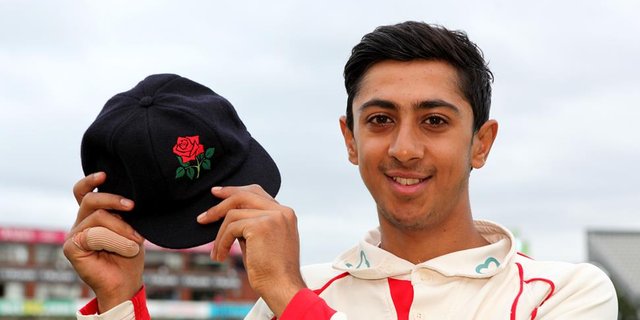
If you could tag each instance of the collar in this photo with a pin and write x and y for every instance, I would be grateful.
(367, 261)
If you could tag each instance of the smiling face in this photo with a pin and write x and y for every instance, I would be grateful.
(414, 143)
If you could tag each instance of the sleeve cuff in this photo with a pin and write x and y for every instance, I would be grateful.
(308, 306)
(136, 308)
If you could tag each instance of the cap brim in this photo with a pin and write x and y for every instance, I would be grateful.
(174, 226)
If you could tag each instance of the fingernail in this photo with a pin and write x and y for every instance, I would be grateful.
(214, 189)
(126, 202)
(201, 217)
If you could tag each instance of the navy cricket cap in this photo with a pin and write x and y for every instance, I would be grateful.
(164, 144)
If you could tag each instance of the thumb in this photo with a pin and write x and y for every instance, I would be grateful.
(101, 238)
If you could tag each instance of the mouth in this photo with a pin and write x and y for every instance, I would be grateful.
(407, 181)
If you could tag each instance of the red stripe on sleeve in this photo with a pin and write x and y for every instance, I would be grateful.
(326, 285)
(307, 305)
(140, 305)
(299, 306)
(90, 308)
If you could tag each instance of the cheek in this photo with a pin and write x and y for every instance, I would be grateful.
(370, 152)
(369, 157)
(452, 155)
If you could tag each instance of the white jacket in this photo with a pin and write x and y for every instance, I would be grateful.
(490, 282)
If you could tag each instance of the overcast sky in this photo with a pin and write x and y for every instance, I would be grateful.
(566, 96)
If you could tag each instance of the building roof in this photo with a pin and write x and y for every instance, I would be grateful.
(618, 252)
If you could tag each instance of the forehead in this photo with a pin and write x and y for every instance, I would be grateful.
(411, 82)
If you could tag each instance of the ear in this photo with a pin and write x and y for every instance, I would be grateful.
(349, 141)
(482, 142)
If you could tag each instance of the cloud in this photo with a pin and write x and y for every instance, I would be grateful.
(564, 95)
(33, 207)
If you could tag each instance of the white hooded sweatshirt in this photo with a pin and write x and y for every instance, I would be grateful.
(489, 282)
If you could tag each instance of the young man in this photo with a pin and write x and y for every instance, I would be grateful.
(417, 123)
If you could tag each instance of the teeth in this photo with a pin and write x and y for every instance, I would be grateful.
(406, 182)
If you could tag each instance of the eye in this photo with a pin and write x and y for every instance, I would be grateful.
(379, 119)
(435, 121)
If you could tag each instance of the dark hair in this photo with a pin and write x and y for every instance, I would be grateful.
(418, 40)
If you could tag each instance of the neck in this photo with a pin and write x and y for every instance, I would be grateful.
(418, 245)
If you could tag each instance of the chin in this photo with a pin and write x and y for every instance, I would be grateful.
(407, 223)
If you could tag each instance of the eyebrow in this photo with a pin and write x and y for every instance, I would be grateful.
(425, 104)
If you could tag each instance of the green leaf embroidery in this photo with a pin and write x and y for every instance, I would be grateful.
(191, 173)
(209, 152)
(179, 172)
(206, 164)
(182, 163)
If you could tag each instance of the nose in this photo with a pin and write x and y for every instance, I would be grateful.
(406, 144)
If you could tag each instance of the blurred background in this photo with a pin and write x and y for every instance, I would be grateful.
(561, 174)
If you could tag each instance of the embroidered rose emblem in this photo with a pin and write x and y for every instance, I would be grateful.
(189, 150)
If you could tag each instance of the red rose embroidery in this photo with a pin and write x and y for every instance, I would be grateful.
(189, 149)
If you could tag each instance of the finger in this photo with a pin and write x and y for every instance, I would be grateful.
(224, 241)
(88, 184)
(103, 218)
(101, 238)
(97, 200)
(225, 192)
(246, 197)
(243, 249)
(76, 247)
(233, 227)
